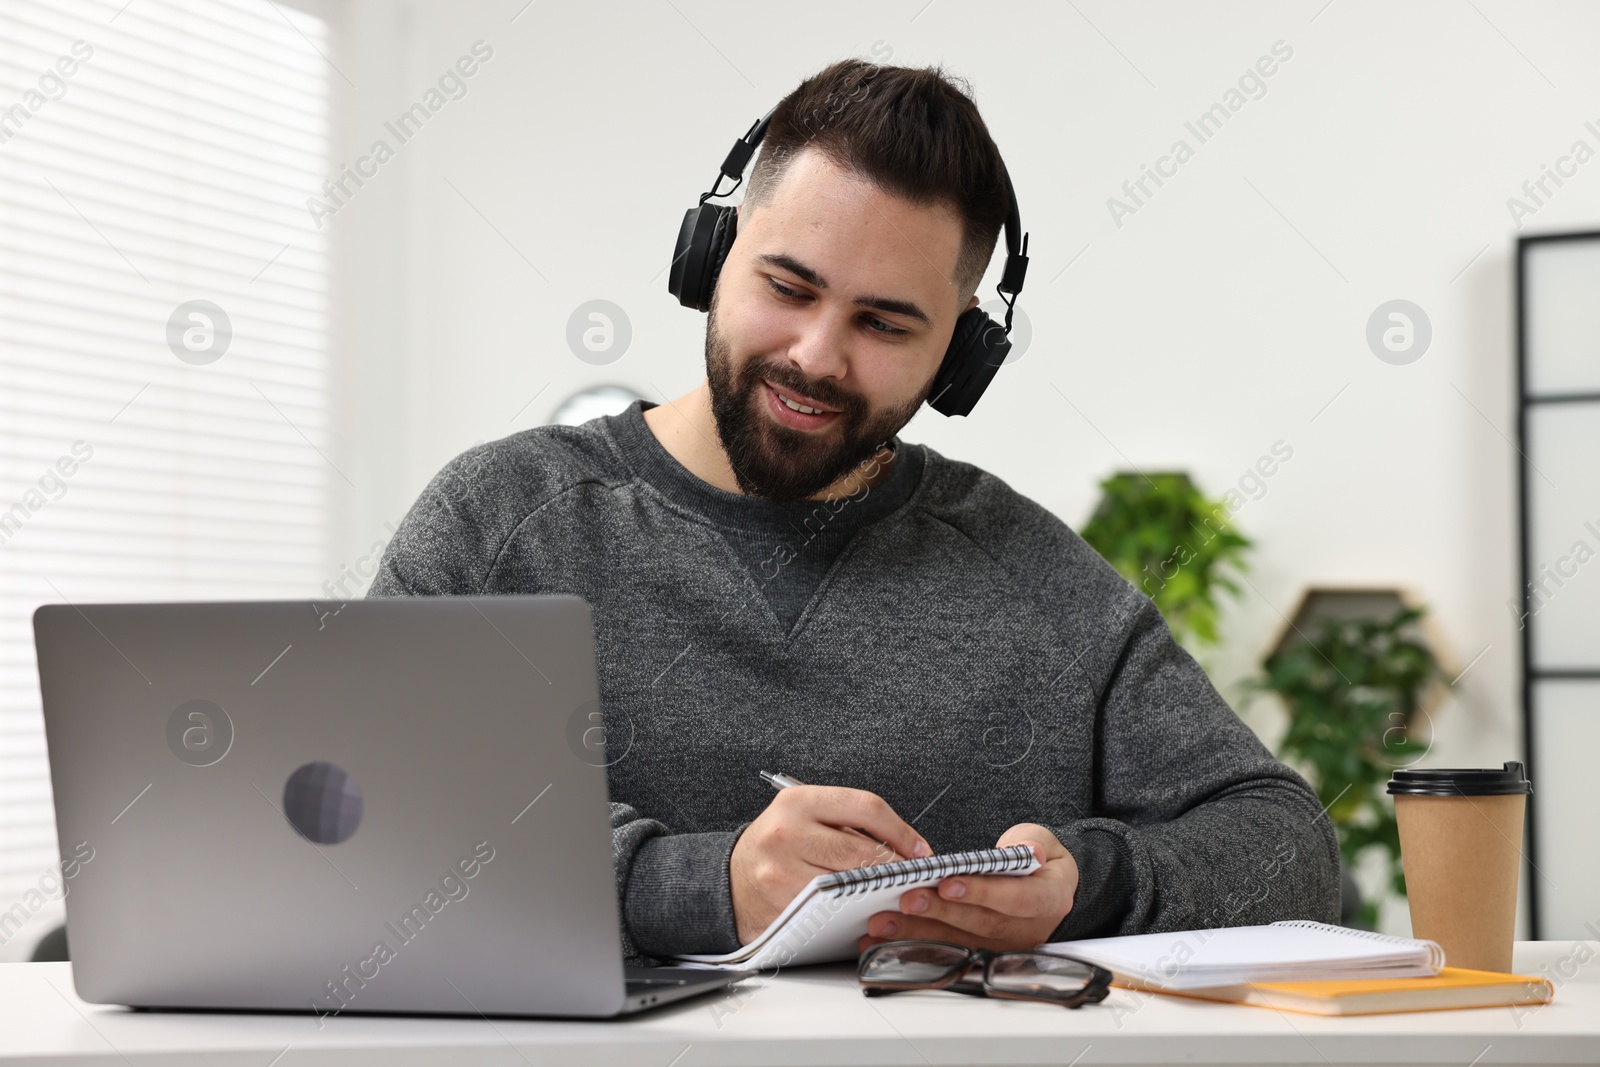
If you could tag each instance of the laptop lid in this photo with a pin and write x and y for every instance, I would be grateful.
(398, 805)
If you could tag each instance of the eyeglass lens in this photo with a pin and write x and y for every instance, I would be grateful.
(913, 962)
(1024, 972)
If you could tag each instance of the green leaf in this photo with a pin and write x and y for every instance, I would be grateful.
(1175, 545)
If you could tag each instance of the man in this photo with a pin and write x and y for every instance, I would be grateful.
(779, 582)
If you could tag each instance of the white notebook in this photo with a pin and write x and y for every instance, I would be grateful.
(1295, 950)
(825, 919)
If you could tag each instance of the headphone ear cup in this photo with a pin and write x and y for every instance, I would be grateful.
(722, 235)
(677, 271)
(703, 242)
(978, 347)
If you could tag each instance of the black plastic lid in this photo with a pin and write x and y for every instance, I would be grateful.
(1461, 782)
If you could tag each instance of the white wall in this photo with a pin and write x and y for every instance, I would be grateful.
(1222, 316)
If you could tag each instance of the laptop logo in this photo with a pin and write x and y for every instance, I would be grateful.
(199, 733)
(322, 803)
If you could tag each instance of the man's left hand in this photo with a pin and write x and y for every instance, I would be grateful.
(994, 911)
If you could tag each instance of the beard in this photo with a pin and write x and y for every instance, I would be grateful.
(778, 462)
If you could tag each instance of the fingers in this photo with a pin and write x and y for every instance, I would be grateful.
(921, 904)
(806, 831)
(1026, 896)
(990, 910)
(856, 809)
(800, 836)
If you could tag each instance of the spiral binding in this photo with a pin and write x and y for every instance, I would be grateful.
(1370, 935)
(1435, 951)
(979, 861)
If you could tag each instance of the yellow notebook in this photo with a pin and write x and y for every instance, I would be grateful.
(1453, 987)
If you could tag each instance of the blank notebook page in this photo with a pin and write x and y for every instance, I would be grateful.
(1283, 951)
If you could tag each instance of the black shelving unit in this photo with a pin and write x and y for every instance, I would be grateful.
(1528, 403)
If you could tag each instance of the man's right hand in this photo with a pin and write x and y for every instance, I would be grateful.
(809, 830)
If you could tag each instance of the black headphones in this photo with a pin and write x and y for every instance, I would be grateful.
(977, 347)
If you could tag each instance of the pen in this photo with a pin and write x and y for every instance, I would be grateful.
(781, 781)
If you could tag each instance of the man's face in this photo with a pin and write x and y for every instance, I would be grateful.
(836, 295)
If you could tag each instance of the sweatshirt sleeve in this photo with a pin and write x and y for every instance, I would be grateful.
(1194, 825)
(675, 893)
(673, 889)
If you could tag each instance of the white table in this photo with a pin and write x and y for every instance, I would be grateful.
(818, 1016)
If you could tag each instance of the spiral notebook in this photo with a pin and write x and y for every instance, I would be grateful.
(1294, 950)
(825, 919)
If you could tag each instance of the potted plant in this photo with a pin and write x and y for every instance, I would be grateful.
(1353, 689)
(1162, 534)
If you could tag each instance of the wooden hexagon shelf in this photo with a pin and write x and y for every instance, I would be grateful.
(1350, 603)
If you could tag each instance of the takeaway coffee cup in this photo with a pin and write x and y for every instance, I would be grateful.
(1461, 846)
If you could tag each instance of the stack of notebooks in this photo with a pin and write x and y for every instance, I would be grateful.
(1304, 966)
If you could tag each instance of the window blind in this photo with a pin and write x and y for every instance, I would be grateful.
(164, 414)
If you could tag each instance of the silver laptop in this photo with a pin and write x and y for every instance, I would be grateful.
(380, 806)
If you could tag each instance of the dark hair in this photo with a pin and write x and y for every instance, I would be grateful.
(915, 133)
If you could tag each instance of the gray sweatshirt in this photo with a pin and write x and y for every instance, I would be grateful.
(948, 644)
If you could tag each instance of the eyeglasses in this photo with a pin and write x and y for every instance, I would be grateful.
(895, 966)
